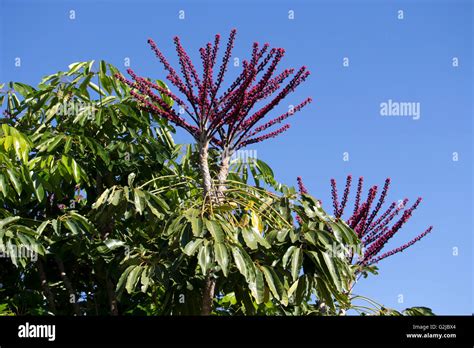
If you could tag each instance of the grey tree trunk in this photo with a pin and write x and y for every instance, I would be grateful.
(214, 195)
(208, 194)
(204, 166)
(223, 172)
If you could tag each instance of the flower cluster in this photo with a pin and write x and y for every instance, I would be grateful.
(301, 186)
(373, 229)
(230, 119)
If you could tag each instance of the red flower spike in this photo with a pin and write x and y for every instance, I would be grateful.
(228, 121)
(374, 232)
(301, 186)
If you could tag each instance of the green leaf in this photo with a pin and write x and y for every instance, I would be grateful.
(418, 311)
(293, 288)
(107, 100)
(84, 222)
(103, 68)
(145, 280)
(123, 278)
(274, 283)
(193, 216)
(74, 67)
(56, 223)
(8, 142)
(23, 89)
(12, 252)
(191, 248)
(3, 185)
(101, 199)
(250, 238)
(165, 97)
(296, 263)
(37, 186)
(131, 179)
(72, 226)
(326, 268)
(204, 257)
(244, 263)
(257, 288)
(67, 145)
(96, 88)
(115, 197)
(332, 271)
(158, 200)
(215, 229)
(343, 233)
(139, 200)
(113, 244)
(240, 262)
(40, 229)
(132, 279)
(264, 169)
(52, 112)
(287, 255)
(76, 171)
(222, 257)
(15, 181)
(253, 234)
(57, 139)
(153, 207)
(282, 234)
(8, 220)
(324, 293)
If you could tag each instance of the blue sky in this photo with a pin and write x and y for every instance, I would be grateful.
(407, 60)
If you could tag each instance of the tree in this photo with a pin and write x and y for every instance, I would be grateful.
(60, 150)
(227, 121)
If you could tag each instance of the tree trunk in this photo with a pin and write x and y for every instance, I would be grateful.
(68, 285)
(204, 166)
(223, 172)
(44, 284)
(214, 196)
(208, 295)
(112, 296)
(208, 194)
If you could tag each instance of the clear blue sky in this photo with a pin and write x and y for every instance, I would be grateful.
(404, 60)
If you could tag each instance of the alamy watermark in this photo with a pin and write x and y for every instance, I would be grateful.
(344, 251)
(18, 253)
(394, 108)
(75, 108)
(244, 156)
